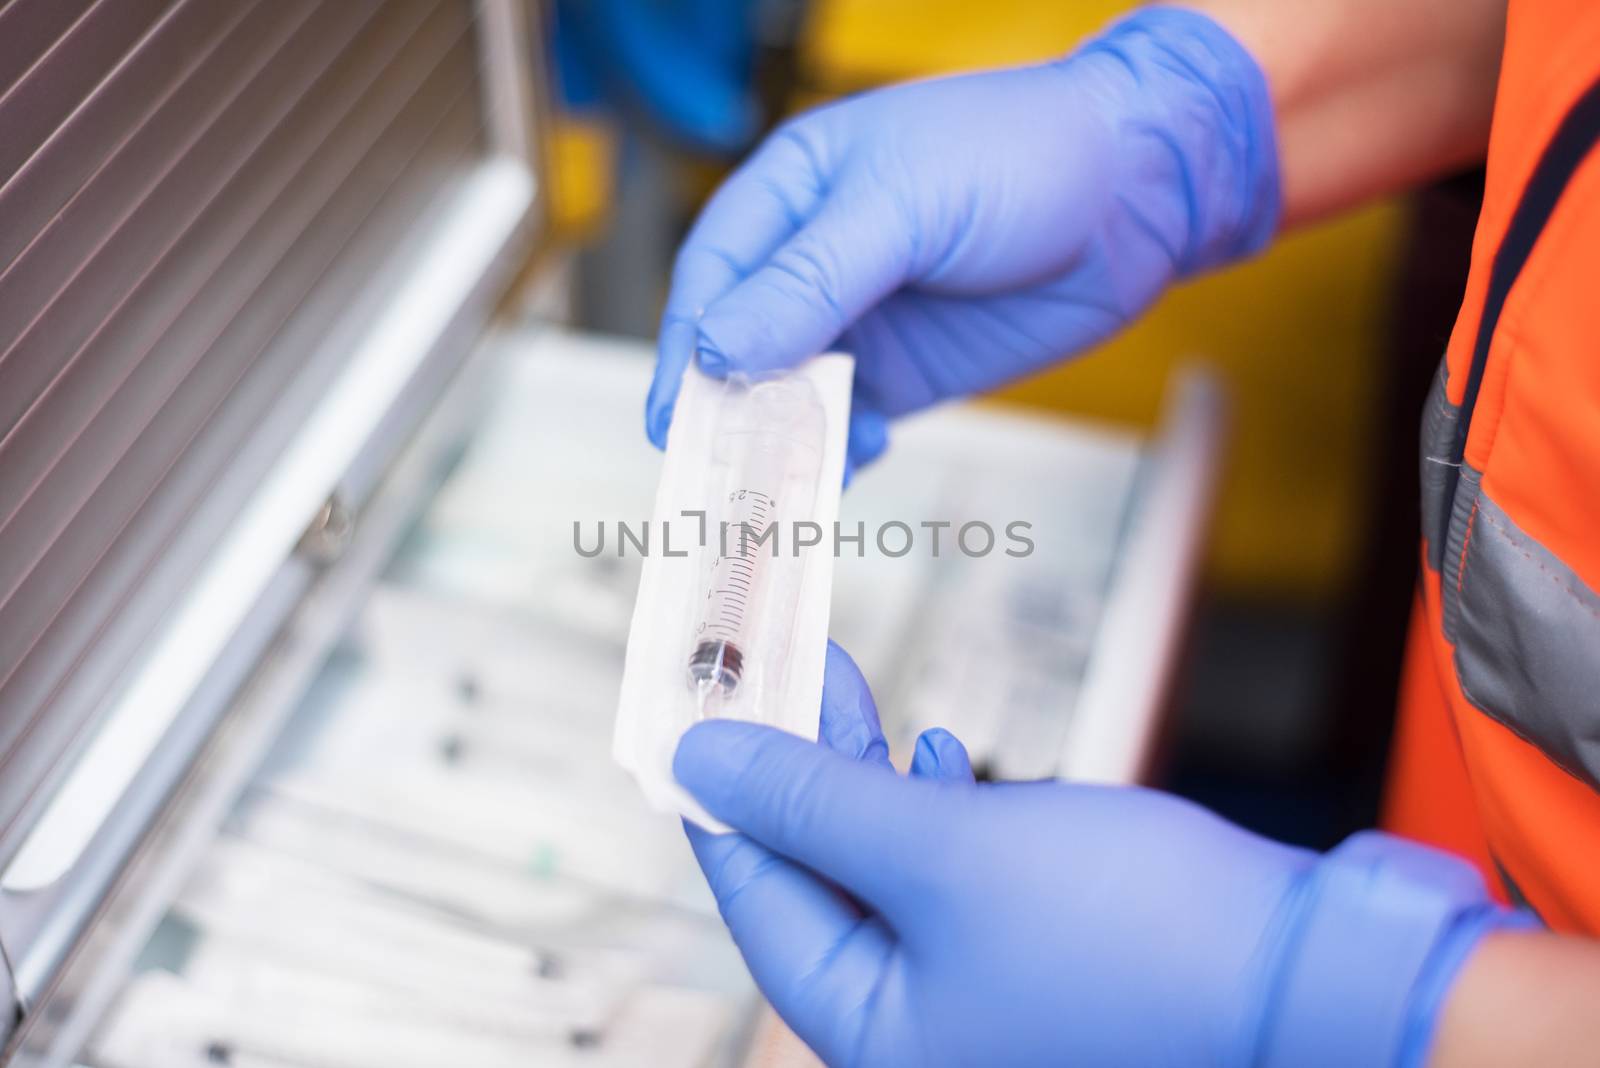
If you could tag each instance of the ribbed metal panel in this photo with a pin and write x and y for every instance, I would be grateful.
(28, 28)
(61, 77)
(195, 193)
(54, 169)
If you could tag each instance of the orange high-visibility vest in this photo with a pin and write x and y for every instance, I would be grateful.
(1497, 752)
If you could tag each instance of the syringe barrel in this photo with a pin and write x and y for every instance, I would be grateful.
(761, 454)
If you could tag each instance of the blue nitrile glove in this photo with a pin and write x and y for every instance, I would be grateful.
(961, 232)
(932, 920)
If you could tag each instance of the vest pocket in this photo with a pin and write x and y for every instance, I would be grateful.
(1525, 627)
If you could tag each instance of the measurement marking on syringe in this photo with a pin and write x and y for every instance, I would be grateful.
(771, 439)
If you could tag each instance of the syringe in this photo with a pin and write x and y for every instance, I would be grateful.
(718, 657)
(724, 627)
(761, 452)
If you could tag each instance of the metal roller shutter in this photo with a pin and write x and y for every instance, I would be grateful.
(193, 197)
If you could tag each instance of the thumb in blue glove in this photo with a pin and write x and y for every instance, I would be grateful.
(755, 887)
(960, 232)
(933, 920)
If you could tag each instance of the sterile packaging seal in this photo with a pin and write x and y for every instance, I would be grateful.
(732, 613)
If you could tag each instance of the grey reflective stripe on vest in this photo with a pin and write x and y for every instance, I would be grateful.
(1526, 629)
(1439, 419)
(1527, 635)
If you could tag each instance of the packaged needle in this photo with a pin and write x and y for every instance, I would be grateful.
(732, 614)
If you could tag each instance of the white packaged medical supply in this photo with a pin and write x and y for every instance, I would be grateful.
(732, 614)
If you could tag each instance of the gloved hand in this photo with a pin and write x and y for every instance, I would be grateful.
(961, 232)
(934, 920)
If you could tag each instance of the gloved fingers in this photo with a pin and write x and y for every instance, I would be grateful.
(918, 347)
(878, 836)
(674, 348)
(755, 211)
(850, 255)
(810, 949)
(901, 350)
(849, 715)
(940, 755)
(763, 203)
(812, 952)
(869, 436)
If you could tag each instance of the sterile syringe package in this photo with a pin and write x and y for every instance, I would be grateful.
(732, 614)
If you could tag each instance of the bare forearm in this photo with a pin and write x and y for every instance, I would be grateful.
(1371, 96)
(1523, 998)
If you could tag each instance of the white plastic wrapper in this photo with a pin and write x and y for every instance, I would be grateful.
(732, 614)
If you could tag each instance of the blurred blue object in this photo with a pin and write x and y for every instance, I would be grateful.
(688, 65)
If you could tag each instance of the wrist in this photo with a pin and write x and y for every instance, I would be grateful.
(1199, 122)
(1378, 931)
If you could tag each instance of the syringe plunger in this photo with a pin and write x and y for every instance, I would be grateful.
(716, 662)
